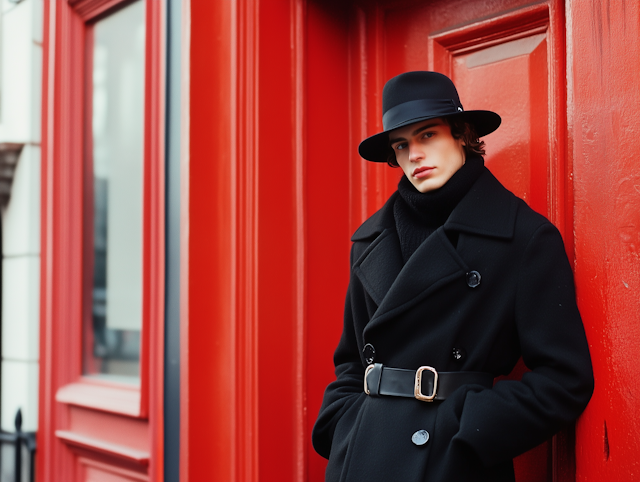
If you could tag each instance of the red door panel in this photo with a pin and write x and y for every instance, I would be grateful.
(510, 84)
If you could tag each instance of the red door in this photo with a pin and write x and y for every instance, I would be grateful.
(603, 45)
(280, 94)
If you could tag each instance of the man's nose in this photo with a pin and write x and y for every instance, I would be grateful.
(415, 152)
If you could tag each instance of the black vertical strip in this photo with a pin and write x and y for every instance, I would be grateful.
(172, 237)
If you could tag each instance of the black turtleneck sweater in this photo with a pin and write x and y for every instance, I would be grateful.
(417, 214)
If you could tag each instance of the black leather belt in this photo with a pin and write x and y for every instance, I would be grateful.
(424, 384)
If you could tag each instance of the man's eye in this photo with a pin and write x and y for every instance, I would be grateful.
(427, 135)
(399, 147)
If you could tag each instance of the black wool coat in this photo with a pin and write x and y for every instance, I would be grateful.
(421, 312)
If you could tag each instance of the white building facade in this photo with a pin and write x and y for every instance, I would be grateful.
(20, 130)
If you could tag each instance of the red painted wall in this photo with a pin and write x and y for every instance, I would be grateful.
(603, 92)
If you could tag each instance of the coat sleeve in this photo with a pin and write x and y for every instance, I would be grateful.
(515, 416)
(343, 397)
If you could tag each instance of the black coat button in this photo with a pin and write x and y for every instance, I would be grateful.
(458, 354)
(369, 353)
(421, 437)
(473, 279)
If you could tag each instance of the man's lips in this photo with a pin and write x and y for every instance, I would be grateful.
(420, 172)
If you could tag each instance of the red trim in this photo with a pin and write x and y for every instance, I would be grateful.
(562, 173)
(208, 323)
(88, 467)
(298, 74)
(106, 397)
(152, 352)
(92, 445)
(61, 240)
(358, 117)
(381, 181)
(92, 10)
(89, 363)
(247, 132)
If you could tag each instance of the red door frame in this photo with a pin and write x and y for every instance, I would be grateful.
(75, 410)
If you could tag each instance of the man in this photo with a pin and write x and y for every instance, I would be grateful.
(452, 281)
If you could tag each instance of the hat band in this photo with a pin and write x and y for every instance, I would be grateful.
(416, 109)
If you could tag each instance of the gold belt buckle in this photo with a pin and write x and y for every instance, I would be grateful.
(417, 389)
(366, 372)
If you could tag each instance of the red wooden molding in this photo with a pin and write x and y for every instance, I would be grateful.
(494, 30)
(152, 348)
(90, 9)
(91, 444)
(90, 467)
(108, 398)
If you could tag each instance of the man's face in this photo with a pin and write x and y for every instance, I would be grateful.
(427, 153)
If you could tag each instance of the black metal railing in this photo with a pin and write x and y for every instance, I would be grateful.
(20, 440)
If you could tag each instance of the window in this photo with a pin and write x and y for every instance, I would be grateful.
(114, 183)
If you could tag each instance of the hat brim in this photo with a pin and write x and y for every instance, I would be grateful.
(376, 147)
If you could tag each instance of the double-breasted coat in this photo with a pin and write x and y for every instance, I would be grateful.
(432, 311)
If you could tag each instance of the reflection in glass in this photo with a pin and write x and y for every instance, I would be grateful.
(117, 155)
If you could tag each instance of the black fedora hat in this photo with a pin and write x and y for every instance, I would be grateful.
(417, 96)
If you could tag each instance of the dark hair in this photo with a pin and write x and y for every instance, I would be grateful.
(459, 130)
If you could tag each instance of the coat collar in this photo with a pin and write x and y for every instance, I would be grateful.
(378, 222)
(488, 209)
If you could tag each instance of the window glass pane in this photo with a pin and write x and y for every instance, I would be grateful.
(117, 164)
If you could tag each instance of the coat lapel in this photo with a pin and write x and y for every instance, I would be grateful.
(434, 264)
(379, 265)
(488, 209)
